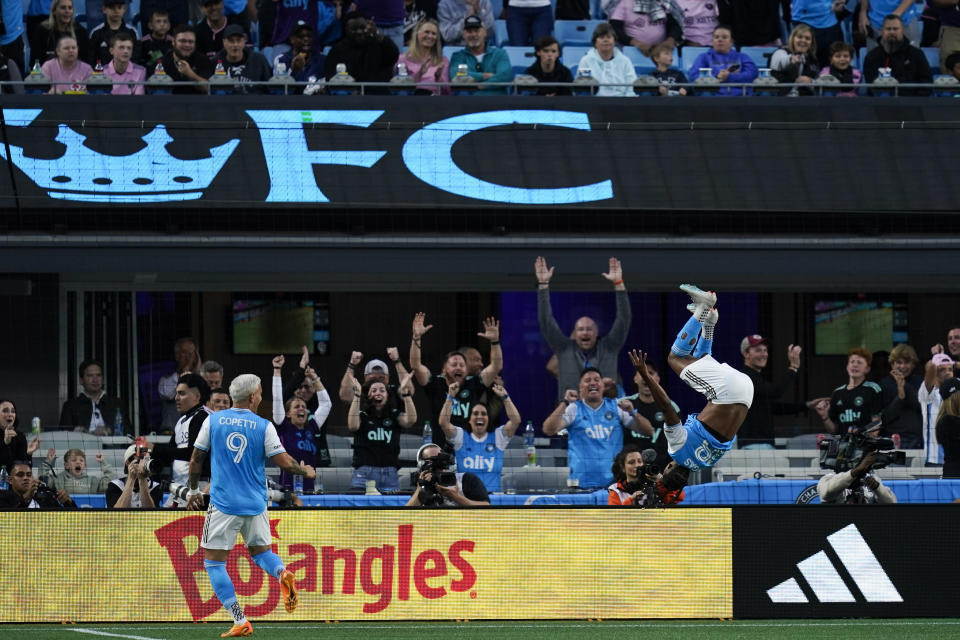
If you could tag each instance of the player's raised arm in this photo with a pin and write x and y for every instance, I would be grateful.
(639, 361)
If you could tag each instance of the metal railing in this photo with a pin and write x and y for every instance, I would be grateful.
(293, 87)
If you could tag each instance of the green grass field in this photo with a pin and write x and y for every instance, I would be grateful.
(514, 630)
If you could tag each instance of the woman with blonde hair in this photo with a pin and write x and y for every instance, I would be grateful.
(59, 24)
(424, 58)
(796, 63)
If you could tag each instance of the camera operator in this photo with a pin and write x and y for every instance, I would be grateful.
(856, 486)
(638, 480)
(135, 490)
(26, 492)
(436, 486)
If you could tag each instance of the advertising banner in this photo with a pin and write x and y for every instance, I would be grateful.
(846, 561)
(383, 152)
(520, 563)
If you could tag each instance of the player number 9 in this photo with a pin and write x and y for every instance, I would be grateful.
(236, 441)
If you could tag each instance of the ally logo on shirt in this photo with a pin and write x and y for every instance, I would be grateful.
(598, 432)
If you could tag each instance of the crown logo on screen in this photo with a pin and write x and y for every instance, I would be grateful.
(149, 175)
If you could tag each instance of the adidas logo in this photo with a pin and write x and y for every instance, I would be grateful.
(826, 582)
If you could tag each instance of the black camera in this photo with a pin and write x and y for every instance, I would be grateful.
(180, 491)
(437, 466)
(844, 453)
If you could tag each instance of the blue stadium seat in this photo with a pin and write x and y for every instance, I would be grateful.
(520, 58)
(448, 52)
(500, 37)
(861, 55)
(643, 65)
(570, 56)
(497, 8)
(688, 55)
(759, 55)
(933, 58)
(575, 32)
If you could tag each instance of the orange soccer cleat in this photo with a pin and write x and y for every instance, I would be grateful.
(237, 630)
(288, 590)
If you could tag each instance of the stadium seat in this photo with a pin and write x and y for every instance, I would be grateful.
(335, 479)
(643, 65)
(574, 32)
(805, 441)
(410, 440)
(759, 55)
(341, 457)
(571, 56)
(339, 442)
(688, 55)
(448, 52)
(500, 36)
(520, 58)
(933, 58)
(536, 478)
(497, 8)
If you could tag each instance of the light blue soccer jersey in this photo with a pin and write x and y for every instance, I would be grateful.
(700, 449)
(239, 442)
(595, 438)
(483, 459)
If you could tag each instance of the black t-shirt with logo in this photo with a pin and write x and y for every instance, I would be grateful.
(377, 442)
(658, 441)
(855, 408)
(471, 391)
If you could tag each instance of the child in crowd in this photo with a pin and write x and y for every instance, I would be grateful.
(951, 65)
(75, 479)
(662, 56)
(101, 36)
(158, 42)
(841, 57)
(548, 67)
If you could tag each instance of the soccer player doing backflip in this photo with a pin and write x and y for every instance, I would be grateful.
(707, 435)
(239, 442)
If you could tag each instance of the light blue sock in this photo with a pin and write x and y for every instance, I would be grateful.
(704, 347)
(223, 587)
(270, 562)
(687, 337)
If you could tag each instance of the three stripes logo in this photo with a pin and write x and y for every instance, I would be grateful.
(826, 582)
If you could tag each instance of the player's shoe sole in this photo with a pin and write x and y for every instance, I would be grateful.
(711, 318)
(699, 296)
(289, 591)
(238, 630)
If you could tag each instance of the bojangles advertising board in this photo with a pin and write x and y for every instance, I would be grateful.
(383, 564)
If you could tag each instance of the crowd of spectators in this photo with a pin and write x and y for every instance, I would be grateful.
(318, 39)
(606, 429)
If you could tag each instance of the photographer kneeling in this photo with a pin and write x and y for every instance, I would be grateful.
(856, 486)
(436, 486)
(638, 480)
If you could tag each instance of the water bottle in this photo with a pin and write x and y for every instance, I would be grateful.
(4, 484)
(118, 423)
(427, 433)
(35, 425)
(531, 447)
(298, 484)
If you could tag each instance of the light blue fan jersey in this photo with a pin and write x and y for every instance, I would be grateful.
(239, 442)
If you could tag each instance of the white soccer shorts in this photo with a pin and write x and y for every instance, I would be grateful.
(220, 530)
(720, 383)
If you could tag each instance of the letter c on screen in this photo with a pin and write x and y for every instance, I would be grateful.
(428, 154)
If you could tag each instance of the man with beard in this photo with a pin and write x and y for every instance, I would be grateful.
(907, 63)
(454, 369)
(184, 62)
(584, 349)
(368, 56)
